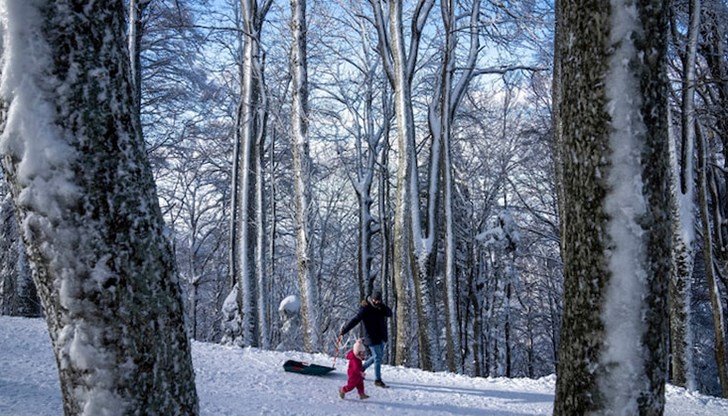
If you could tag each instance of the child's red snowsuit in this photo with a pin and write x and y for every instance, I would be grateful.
(356, 374)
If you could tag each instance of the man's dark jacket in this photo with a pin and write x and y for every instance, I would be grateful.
(374, 319)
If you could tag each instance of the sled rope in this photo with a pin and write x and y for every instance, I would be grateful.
(337, 346)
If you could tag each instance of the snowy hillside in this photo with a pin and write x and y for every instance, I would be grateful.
(231, 381)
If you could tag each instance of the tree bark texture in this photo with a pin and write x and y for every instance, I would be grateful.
(602, 62)
(92, 224)
(302, 178)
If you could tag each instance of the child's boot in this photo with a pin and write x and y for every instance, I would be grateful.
(363, 396)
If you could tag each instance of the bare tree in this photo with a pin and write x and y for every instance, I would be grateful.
(302, 178)
(399, 64)
(251, 120)
(684, 227)
(360, 103)
(704, 185)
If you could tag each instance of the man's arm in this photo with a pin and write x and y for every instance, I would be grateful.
(387, 311)
(352, 323)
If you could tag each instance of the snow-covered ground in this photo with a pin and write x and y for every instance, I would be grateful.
(234, 381)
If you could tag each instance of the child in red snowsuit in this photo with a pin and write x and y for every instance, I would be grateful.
(356, 370)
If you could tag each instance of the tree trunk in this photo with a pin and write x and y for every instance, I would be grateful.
(386, 236)
(103, 268)
(302, 178)
(683, 228)
(261, 268)
(18, 295)
(243, 188)
(250, 134)
(681, 277)
(411, 250)
(715, 49)
(716, 306)
(135, 34)
(616, 222)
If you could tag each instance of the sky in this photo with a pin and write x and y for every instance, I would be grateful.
(247, 381)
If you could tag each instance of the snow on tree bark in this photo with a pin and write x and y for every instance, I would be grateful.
(412, 249)
(88, 210)
(251, 124)
(683, 228)
(616, 225)
(680, 281)
(302, 178)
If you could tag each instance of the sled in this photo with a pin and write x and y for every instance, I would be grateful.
(301, 367)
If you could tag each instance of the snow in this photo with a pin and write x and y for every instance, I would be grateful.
(236, 381)
(625, 205)
(290, 304)
(44, 161)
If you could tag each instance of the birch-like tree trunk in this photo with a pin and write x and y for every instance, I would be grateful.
(385, 234)
(302, 178)
(86, 200)
(616, 221)
(249, 134)
(369, 152)
(409, 265)
(680, 279)
(683, 218)
(452, 334)
(450, 95)
(265, 313)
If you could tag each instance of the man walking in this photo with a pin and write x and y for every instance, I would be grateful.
(373, 313)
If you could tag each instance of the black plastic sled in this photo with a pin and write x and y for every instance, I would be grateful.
(300, 367)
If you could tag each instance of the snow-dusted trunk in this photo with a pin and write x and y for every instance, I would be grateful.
(88, 208)
(250, 135)
(407, 218)
(452, 333)
(402, 274)
(18, 295)
(369, 147)
(616, 220)
(679, 293)
(261, 269)
(683, 256)
(474, 302)
(401, 227)
(302, 177)
(385, 235)
(271, 241)
(411, 261)
(710, 272)
(683, 220)
(243, 238)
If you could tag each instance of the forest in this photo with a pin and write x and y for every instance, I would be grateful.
(247, 172)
